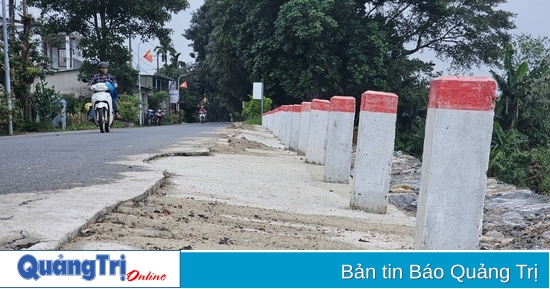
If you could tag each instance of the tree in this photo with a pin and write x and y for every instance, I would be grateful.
(164, 49)
(303, 49)
(105, 26)
(520, 148)
(523, 101)
(468, 33)
(27, 64)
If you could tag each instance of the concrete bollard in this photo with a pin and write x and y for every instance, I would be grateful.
(317, 136)
(457, 142)
(276, 122)
(295, 126)
(373, 158)
(339, 140)
(304, 127)
(285, 123)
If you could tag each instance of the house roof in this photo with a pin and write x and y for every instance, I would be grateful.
(158, 77)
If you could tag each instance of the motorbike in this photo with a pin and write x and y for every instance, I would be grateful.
(102, 106)
(150, 117)
(159, 117)
(202, 117)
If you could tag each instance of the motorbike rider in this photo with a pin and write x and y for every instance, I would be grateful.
(103, 77)
(202, 110)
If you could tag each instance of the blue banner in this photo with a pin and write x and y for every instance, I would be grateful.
(360, 269)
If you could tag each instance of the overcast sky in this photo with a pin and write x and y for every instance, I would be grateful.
(532, 18)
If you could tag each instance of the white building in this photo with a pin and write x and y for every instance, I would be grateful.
(66, 58)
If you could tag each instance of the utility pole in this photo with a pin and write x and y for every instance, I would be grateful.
(179, 88)
(7, 67)
(139, 86)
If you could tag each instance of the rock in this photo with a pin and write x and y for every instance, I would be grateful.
(513, 219)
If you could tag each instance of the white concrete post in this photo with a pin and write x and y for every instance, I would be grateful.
(265, 120)
(317, 136)
(339, 140)
(457, 142)
(287, 114)
(284, 123)
(304, 127)
(295, 127)
(277, 123)
(373, 158)
(270, 116)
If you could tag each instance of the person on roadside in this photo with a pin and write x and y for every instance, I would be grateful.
(105, 77)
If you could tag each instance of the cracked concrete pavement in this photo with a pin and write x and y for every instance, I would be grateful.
(241, 190)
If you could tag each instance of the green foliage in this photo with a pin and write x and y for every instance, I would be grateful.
(412, 142)
(174, 118)
(508, 158)
(128, 107)
(46, 102)
(5, 112)
(164, 49)
(252, 108)
(254, 120)
(73, 104)
(31, 126)
(27, 63)
(520, 148)
(539, 170)
(156, 99)
(304, 49)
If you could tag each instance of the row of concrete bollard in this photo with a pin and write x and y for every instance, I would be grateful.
(455, 159)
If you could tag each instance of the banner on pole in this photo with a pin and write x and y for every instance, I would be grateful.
(174, 96)
(258, 90)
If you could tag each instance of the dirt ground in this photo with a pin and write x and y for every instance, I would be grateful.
(207, 222)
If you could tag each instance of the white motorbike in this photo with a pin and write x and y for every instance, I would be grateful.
(102, 105)
(202, 117)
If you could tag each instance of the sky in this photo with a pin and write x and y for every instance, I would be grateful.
(179, 23)
(532, 18)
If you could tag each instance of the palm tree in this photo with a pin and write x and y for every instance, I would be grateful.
(164, 49)
(512, 101)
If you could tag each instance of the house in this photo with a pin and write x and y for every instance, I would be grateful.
(66, 58)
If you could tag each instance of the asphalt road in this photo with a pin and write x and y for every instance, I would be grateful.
(58, 161)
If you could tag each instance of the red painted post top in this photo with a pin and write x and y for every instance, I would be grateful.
(306, 106)
(286, 108)
(320, 104)
(296, 108)
(463, 93)
(376, 101)
(342, 103)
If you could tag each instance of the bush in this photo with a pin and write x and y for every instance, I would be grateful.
(128, 107)
(538, 178)
(46, 102)
(252, 108)
(41, 126)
